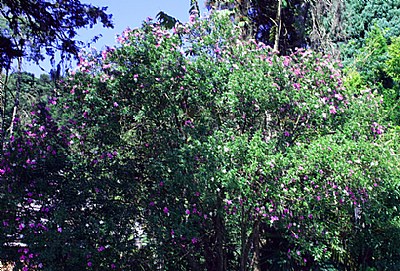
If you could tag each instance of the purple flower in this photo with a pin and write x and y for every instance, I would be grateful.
(286, 61)
(187, 211)
(274, 218)
(104, 54)
(165, 210)
(376, 128)
(189, 123)
(296, 86)
(101, 248)
(192, 18)
(339, 96)
(89, 264)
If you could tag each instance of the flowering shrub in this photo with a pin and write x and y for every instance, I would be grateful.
(192, 150)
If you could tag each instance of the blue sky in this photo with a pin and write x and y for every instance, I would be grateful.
(126, 13)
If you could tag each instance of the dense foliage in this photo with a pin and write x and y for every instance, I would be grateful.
(324, 25)
(36, 29)
(192, 150)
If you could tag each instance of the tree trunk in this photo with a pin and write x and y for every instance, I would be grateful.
(16, 101)
(278, 26)
(256, 244)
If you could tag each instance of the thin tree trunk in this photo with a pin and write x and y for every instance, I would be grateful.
(2, 107)
(278, 26)
(218, 253)
(16, 101)
(256, 244)
(243, 241)
(220, 241)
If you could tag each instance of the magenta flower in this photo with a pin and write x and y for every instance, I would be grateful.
(21, 226)
(296, 86)
(104, 54)
(376, 128)
(101, 248)
(192, 18)
(339, 96)
(165, 210)
(274, 218)
(286, 61)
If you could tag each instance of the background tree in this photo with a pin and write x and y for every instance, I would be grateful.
(34, 30)
(286, 25)
(323, 25)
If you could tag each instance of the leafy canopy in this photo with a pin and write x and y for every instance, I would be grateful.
(34, 29)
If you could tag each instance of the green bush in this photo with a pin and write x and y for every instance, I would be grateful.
(192, 150)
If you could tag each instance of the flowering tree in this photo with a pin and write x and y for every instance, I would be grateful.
(192, 150)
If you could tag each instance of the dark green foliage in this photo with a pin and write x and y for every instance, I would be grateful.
(31, 27)
(362, 15)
